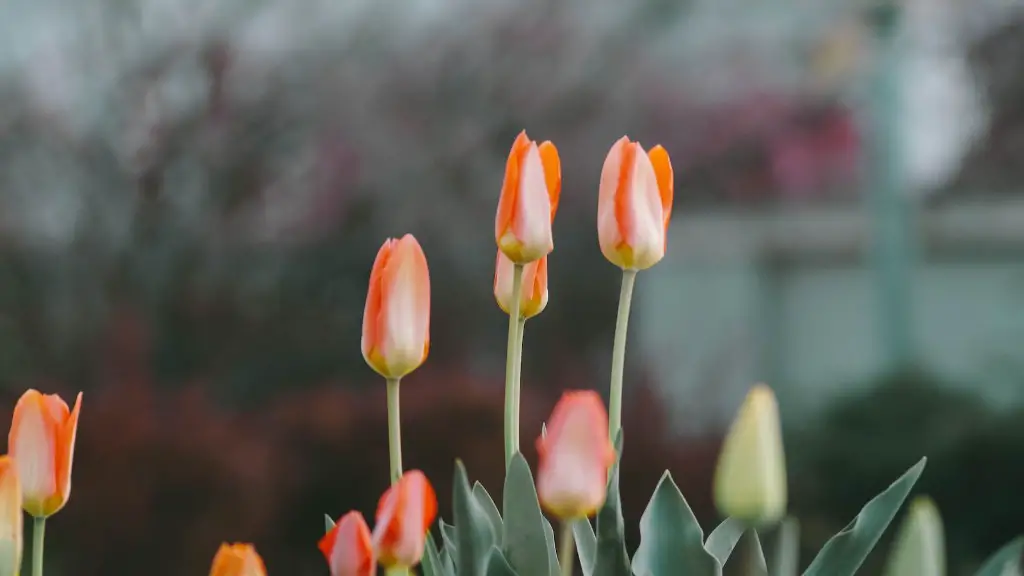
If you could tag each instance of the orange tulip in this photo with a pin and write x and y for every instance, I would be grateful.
(10, 518)
(534, 297)
(574, 457)
(634, 205)
(529, 200)
(348, 547)
(42, 443)
(237, 560)
(396, 321)
(404, 514)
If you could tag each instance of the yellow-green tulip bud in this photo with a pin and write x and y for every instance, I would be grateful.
(750, 481)
(920, 548)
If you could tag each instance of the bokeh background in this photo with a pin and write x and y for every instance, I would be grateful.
(192, 194)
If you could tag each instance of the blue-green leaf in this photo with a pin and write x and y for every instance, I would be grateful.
(586, 544)
(1006, 561)
(523, 542)
(448, 537)
(488, 506)
(432, 564)
(671, 540)
(787, 548)
(612, 559)
(497, 564)
(845, 552)
(755, 559)
(723, 539)
(328, 523)
(473, 534)
(549, 538)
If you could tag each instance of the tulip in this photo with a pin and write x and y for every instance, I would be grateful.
(396, 320)
(10, 518)
(404, 515)
(529, 200)
(534, 297)
(348, 547)
(237, 560)
(750, 480)
(574, 457)
(920, 548)
(42, 443)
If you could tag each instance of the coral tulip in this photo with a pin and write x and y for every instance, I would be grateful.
(348, 547)
(10, 518)
(529, 200)
(534, 297)
(574, 456)
(396, 321)
(634, 205)
(237, 560)
(42, 443)
(750, 479)
(404, 515)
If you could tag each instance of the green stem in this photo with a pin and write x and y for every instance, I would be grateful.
(511, 362)
(619, 353)
(518, 382)
(394, 429)
(567, 549)
(38, 536)
(396, 572)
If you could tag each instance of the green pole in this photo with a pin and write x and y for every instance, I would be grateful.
(891, 231)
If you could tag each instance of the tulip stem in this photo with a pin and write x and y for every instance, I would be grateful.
(400, 571)
(619, 353)
(394, 429)
(518, 382)
(567, 549)
(38, 536)
(511, 363)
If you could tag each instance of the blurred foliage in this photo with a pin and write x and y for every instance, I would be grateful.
(974, 473)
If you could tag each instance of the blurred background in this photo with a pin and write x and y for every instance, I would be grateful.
(192, 194)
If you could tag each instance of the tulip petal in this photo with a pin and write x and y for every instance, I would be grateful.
(532, 222)
(552, 173)
(666, 183)
(372, 311)
(65, 456)
(507, 203)
(607, 205)
(32, 444)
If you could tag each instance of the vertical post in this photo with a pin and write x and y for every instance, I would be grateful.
(891, 231)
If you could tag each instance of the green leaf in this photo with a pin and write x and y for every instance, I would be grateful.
(473, 534)
(723, 539)
(549, 538)
(787, 548)
(845, 552)
(328, 523)
(488, 506)
(586, 544)
(523, 541)
(432, 564)
(1005, 562)
(612, 559)
(448, 536)
(497, 565)
(671, 540)
(755, 559)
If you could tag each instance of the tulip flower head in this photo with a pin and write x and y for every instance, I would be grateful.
(920, 547)
(348, 547)
(237, 560)
(529, 200)
(10, 518)
(750, 480)
(42, 443)
(575, 456)
(404, 514)
(634, 205)
(396, 321)
(534, 296)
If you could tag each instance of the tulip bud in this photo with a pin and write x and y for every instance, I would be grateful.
(920, 548)
(237, 560)
(348, 547)
(529, 200)
(396, 321)
(42, 443)
(574, 456)
(534, 296)
(10, 518)
(750, 481)
(634, 205)
(404, 515)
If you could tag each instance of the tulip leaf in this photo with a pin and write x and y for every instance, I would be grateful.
(787, 548)
(473, 533)
(755, 560)
(328, 523)
(723, 539)
(448, 537)
(843, 554)
(1006, 561)
(523, 541)
(497, 565)
(488, 506)
(671, 540)
(432, 564)
(612, 559)
(586, 544)
(549, 538)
